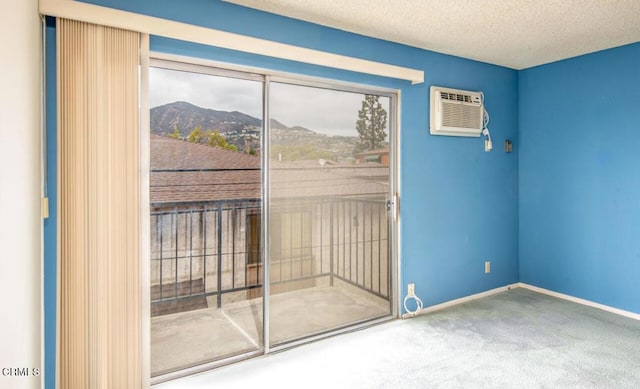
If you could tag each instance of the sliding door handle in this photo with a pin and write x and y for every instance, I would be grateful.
(393, 205)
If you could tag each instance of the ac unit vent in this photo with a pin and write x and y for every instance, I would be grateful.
(455, 97)
(456, 115)
(455, 112)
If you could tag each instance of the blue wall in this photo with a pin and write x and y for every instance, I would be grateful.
(459, 204)
(580, 177)
(49, 228)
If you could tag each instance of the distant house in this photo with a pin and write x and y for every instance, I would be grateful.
(380, 156)
(326, 221)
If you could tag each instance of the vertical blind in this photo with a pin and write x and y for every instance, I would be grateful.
(99, 331)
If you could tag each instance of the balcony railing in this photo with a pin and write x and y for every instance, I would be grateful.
(207, 254)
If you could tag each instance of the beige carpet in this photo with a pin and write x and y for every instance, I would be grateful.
(513, 339)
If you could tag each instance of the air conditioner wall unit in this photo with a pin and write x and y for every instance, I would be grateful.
(456, 112)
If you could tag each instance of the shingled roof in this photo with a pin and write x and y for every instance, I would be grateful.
(174, 154)
(186, 172)
(299, 179)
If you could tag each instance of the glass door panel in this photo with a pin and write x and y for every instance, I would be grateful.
(205, 194)
(329, 179)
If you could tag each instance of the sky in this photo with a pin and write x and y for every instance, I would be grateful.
(321, 110)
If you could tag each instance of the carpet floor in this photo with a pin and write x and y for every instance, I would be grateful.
(517, 338)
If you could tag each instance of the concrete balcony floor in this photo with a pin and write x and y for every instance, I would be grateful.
(186, 339)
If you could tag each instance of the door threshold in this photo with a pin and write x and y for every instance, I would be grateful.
(210, 366)
(205, 367)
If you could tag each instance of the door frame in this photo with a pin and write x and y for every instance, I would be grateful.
(197, 65)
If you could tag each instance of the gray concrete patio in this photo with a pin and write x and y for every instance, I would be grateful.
(190, 338)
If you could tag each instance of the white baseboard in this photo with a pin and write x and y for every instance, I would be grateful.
(547, 292)
(588, 303)
(461, 300)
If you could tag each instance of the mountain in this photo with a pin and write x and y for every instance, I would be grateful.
(188, 116)
(244, 131)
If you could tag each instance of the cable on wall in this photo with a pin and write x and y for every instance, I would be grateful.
(412, 295)
(488, 145)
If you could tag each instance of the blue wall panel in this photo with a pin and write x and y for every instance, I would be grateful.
(49, 228)
(580, 177)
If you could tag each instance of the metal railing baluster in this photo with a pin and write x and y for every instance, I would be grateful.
(161, 218)
(321, 241)
(357, 223)
(331, 248)
(204, 249)
(380, 211)
(371, 245)
(247, 254)
(344, 243)
(191, 251)
(175, 276)
(233, 247)
(219, 231)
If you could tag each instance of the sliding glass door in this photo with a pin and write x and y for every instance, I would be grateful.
(296, 205)
(329, 183)
(206, 207)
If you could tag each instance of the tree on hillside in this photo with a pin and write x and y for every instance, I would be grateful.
(371, 123)
(215, 139)
(196, 135)
(176, 132)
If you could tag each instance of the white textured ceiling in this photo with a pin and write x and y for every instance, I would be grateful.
(513, 33)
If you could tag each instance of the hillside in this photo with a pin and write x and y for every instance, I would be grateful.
(244, 131)
(188, 116)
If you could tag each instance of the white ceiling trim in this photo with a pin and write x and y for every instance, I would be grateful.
(167, 28)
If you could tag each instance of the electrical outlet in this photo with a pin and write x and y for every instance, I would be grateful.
(487, 267)
(411, 289)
